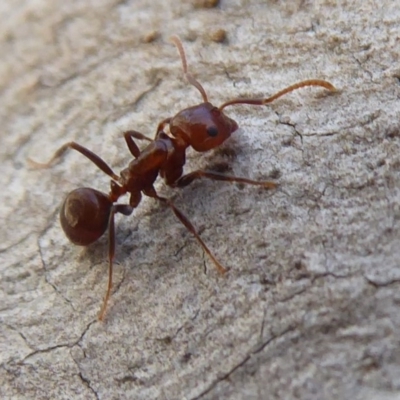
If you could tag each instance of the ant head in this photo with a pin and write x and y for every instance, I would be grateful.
(84, 215)
(203, 127)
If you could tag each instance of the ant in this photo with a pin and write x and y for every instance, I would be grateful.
(86, 213)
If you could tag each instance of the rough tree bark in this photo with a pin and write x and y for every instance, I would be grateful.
(310, 307)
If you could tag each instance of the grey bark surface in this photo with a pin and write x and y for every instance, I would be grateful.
(310, 308)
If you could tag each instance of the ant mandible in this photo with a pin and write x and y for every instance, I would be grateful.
(87, 213)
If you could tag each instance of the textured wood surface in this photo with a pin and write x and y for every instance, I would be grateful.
(310, 307)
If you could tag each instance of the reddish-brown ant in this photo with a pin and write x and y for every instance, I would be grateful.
(87, 213)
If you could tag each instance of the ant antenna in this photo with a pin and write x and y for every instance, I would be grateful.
(260, 102)
(177, 42)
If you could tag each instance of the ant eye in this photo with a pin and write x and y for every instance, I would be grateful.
(212, 131)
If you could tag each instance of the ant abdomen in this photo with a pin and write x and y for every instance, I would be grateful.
(84, 215)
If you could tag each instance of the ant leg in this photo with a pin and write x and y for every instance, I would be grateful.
(189, 178)
(161, 126)
(185, 221)
(124, 209)
(129, 135)
(94, 158)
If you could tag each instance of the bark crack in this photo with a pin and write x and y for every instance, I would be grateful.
(257, 349)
